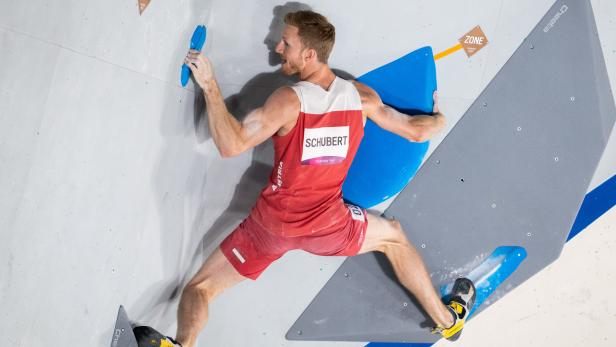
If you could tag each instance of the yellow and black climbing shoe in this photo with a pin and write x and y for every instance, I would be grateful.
(148, 337)
(460, 305)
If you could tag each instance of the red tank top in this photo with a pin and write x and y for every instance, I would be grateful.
(304, 195)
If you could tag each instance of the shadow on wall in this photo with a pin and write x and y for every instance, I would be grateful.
(251, 96)
(176, 194)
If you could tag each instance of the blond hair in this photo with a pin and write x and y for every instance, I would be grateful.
(315, 32)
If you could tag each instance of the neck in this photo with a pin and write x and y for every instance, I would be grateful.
(320, 75)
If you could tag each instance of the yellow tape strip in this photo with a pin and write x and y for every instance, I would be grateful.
(448, 51)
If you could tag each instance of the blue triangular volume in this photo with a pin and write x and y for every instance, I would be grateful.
(386, 162)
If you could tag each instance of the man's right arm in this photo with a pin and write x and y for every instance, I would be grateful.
(231, 136)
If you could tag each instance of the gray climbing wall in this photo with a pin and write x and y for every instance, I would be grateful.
(513, 171)
(123, 331)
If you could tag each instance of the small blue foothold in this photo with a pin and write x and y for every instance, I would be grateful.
(196, 42)
(493, 271)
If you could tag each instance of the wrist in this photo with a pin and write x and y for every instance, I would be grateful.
(209, 86)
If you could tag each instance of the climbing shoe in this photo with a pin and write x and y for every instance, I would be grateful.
(460, 305)
(148, 337)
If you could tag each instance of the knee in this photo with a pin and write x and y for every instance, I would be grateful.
(395, 226)
(395, 232)
(394, 237)
(201, 287)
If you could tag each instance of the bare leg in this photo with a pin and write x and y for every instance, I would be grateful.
(387, 236)
(216, 275)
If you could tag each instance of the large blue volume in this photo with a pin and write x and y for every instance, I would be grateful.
(386, 162)
(196, 42)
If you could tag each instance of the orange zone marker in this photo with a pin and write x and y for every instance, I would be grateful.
(448, 51)
(142, 5)
(471, 42)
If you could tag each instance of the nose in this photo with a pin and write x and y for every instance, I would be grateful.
(279, 47)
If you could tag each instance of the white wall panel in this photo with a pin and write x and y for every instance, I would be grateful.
(112, 191)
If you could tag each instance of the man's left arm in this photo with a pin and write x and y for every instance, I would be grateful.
(416, 128)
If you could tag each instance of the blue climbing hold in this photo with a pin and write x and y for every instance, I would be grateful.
(196, 42)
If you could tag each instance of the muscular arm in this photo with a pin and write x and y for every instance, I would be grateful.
(416, 128)
(231, 136)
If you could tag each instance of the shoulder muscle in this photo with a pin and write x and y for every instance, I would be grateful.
(370, 100)
(283, 102)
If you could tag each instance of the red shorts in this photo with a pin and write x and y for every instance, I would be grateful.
(251, 249)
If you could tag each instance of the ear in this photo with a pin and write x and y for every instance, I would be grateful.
(310, 54)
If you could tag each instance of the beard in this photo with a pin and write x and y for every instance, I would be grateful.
(288, 68)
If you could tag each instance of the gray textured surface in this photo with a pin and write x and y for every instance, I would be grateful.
(513, 171)
(123, 331)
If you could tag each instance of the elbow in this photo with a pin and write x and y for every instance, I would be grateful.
(442, 123)
(419, 137)
(425, 133)
(227, 154)
(230, 152)
(230, 148)
(422, 138)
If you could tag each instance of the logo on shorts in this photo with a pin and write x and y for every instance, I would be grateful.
(357, 213)
(238, 255)
(325, 146)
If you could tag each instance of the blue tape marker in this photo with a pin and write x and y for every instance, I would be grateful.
(595, 204)
(196, 42)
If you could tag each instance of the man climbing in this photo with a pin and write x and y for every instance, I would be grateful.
(317, 126)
